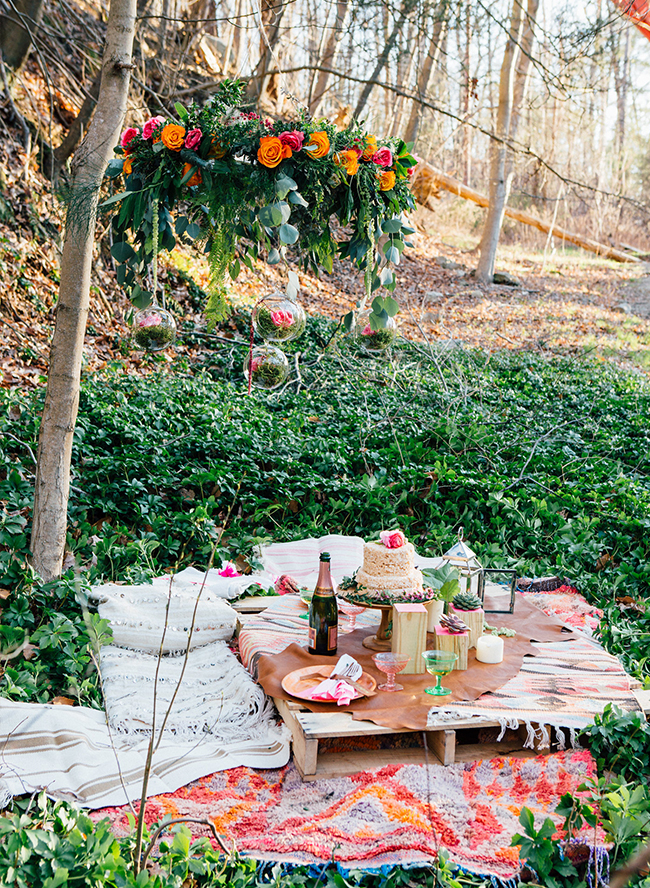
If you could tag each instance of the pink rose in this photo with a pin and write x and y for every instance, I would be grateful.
(127, 135)
(150, 126)
(256, 363)
(193, 138)
(368, 331)
(153, 320)
(228, 570)
(392, 539)
(293, 139)
(383, 157)
(281, 318)
(286, 585)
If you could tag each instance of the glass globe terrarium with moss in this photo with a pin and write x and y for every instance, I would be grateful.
(154, 328)
(266, 367)
(374, 341)
(276, 318)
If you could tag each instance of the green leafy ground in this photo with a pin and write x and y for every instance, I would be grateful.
(545, 463)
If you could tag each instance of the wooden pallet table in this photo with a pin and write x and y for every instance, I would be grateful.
(308, 728)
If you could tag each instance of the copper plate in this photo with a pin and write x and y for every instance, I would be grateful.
(299, 682)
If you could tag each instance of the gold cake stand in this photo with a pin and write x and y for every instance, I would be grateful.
(382, 639)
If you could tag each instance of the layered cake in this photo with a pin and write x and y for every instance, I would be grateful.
(389, 570)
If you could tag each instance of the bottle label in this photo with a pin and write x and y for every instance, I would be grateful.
(332, 638)
(312, 637)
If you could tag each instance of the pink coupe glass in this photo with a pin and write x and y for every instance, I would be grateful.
(390, 663)
(351, 611)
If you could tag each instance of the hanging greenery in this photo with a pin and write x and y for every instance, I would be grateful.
(243, 187)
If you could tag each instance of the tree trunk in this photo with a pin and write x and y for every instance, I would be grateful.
(383, 58)
(62, 397)
(522, 74)
(21, 17)
(424, 77)
(264, 88)
(498, 167)
(329, 56)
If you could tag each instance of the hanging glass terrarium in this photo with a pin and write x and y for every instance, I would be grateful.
(267, 367)
(276, 318)
(370, 340)
(154, 328)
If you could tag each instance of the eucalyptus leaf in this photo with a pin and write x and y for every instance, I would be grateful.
(392, 226)
(296, 198)
(271, 216)
(284, 185)
(288, 234)
(274, 256)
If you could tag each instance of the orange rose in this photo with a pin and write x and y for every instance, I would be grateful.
(371, 148)
(173, 136)
(127, 167)
(348, 160)
(217, 150)
(386, 180)
(196, 179)
(272, 152)
(318, 145)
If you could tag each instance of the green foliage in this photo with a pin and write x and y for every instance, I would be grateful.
(55, 619)
(620, 742)
(444, 580)
(158, 462)
(224, 179)
(543, 855)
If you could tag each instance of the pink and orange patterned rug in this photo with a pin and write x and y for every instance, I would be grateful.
(397, 814)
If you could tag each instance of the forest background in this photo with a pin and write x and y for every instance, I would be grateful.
(542, 453)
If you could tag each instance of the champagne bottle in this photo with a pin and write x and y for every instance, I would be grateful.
(323, 612)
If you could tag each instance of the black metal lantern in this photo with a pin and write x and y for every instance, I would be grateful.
(505, 579)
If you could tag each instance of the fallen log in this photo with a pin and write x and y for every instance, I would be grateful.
(428, 181)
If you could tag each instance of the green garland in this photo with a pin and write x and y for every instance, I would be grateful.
(244, 187)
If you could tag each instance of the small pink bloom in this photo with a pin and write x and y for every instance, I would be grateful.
(127, 135)
(392, 539)
(153, 320)
(268, 123)
(383, 157)
(150, 126)
(255, 364)
(281, 318)
(193, 138)
(367, 331)
(228, 570)
(293, 139)
(286, 585)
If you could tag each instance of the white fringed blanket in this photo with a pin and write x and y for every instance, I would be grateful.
(210, 693)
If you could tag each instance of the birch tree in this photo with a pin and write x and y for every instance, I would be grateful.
(499, 174)
(62, 396)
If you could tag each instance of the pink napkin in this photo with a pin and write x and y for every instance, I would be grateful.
(332, 689)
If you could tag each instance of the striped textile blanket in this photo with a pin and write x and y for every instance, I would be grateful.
(70, 752)
(564, 686)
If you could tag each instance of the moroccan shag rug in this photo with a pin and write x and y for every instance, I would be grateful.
(396, 814)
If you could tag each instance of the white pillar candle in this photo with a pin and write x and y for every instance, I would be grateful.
(489, 649)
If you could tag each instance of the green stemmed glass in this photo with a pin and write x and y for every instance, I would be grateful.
(439, 663)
